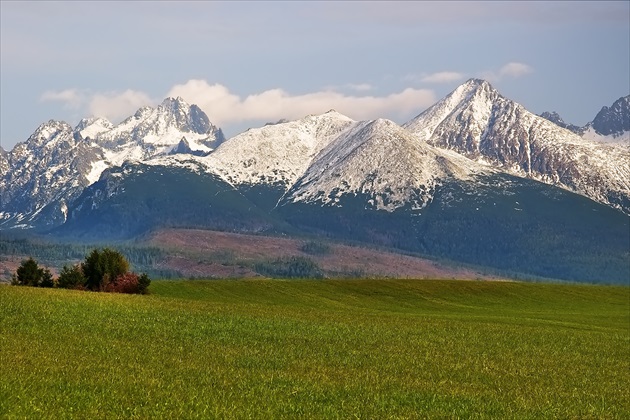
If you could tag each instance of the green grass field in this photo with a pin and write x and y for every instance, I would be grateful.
(317, 349)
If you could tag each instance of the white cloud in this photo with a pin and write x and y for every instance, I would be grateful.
(72, 98)
(112, 105)
(225, 108)
(228, 110)
(515, 69)
(115, 105)
(512, 70)
(442, 77)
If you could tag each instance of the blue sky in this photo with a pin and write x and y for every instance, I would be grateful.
(247, 63)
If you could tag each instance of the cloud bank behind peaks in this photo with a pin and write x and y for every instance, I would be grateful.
(229, 110)
(111, 105)
(225, 108)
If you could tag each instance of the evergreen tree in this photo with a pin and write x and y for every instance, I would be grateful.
(29, 273)
(71, 277)
(47, 279)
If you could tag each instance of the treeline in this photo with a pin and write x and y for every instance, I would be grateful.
(104, 270)
(56, 254)
(289, 267)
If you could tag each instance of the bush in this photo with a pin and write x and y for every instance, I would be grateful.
(125, 283)
(129, 283)
(101, 268)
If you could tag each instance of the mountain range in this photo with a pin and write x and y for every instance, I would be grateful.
(475, 178)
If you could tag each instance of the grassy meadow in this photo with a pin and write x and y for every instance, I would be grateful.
(317, 349)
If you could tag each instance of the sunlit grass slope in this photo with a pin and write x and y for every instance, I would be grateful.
(317, 349)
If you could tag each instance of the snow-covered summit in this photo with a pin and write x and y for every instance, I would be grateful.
(278, 153)
(611, 124)
(479, 123)
(158, 131)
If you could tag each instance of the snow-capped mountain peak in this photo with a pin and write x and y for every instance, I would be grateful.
(278, 153)
(476, 121)
(158, 131)
(611, 124)
(48, 132)
(478, 94)
(57, 162)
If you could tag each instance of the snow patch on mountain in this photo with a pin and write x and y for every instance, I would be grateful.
(622, 139)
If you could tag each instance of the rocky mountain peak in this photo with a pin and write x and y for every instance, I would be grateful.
(613, 120)
(48, 131)
(486, 127)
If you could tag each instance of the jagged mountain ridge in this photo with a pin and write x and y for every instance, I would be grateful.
(53, 166)
(554, 117)
(478, 122)
(474, 121)
(610, 125)
(158, 131)
(366, 181)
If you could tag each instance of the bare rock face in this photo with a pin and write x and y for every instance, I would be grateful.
(478, 122)
(613, 120)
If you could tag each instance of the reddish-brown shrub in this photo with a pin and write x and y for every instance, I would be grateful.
(124, 283)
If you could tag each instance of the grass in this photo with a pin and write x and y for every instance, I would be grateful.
(317, 349)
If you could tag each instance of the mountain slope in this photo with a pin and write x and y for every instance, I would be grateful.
(478, 122)
(124, 203)
(518, 225)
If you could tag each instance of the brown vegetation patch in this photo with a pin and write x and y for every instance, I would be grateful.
(204, 253)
